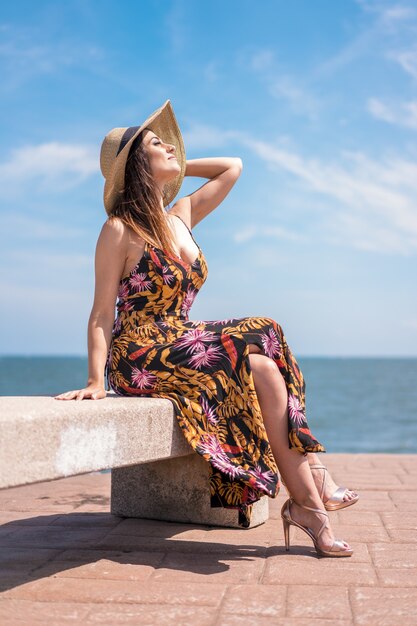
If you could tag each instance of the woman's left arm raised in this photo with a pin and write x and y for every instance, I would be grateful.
(222, 173)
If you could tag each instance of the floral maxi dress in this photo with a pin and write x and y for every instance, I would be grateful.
(203, 367)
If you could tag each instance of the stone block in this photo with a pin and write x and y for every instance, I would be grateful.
(174, 490)
(43, 438)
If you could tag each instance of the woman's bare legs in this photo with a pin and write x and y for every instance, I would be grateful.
(331, 486)
(271, 391)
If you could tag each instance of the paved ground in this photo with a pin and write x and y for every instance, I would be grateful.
(64, 559)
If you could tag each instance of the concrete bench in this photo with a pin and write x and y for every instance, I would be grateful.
(155, 473)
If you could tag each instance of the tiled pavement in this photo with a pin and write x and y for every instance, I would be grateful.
(65, 559)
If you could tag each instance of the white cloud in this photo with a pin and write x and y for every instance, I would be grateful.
(373, 202)
(262, 60)
(389, 21)
(67, 164)
(398, 13)
(175, 25)
(387, 11)
(367, 203)
(281, 85)
(407, 59)
(300, 99)
(401, 114)
(355, 49)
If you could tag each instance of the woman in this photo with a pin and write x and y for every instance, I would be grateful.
(237, 391)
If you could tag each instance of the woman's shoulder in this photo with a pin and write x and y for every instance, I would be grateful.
(114, 231)
(115, 224)
(114, 227)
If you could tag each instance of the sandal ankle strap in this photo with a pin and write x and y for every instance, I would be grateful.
(324, 481)
(310, 508)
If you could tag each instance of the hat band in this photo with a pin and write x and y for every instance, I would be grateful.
(127, 135)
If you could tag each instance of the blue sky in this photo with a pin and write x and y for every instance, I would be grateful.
(319, 99)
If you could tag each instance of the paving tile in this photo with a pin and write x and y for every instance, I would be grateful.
(94, 507)
(255, 600)
(90, 520)
(397, 577)
(12, 557)
(54, 506)
(189, 538)
(40, 508)
(354, 515)
(402, 536)
(389, 461)
(53, 537)
(149, 615)
(27, 612)
(86, 555)
(209, 568)
(95, 481)
(64, 495)
(6, 531)
(118, 591)
(383, 463)
(131, 566)
(307, 570)
(25, 518)
(394, 555)
(9, 579)
(126, 542)
(138, 527)
(371, 500)
(392, 606)
(227, 619)
(374, 480)
(403, 500)
(395, 520)
(408, 481)
(16, 565)
(408, 463)
(368, 534)
(262, 534)
(321, 602)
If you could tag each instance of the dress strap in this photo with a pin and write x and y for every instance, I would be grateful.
(174, 215)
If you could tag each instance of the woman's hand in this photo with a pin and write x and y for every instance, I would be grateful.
(92, 392)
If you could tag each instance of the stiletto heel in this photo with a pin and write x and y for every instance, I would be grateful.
(335, 501)
(337, 549)
(286, 526)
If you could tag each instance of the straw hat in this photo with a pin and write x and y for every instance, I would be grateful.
(115, 150)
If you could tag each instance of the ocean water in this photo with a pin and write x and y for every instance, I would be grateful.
(353, 404)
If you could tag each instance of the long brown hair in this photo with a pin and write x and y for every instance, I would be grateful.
(139, 207)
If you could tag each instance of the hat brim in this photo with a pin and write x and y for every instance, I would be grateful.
(164, 124)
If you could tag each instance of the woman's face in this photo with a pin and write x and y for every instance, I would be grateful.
(162, 159)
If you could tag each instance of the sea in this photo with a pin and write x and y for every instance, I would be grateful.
(364, 405)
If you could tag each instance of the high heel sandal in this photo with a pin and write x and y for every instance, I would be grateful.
(335, 501)
(337, 548)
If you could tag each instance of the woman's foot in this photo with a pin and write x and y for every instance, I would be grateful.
(332, 496)
(314, 522)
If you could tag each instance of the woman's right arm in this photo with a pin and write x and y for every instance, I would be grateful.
(109, 264)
